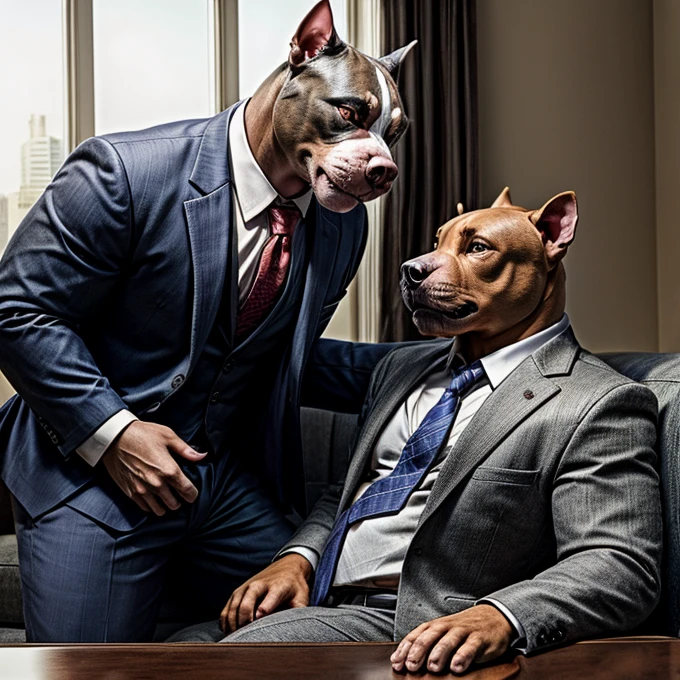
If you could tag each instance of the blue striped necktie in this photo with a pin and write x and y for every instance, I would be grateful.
(387, 496)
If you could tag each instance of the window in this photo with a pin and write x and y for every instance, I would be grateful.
(265, 29)
(152, 62)
(31, 120)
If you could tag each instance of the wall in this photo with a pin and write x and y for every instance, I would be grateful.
(667, 122)
(567, 102)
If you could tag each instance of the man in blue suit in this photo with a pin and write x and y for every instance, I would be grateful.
(158, 308)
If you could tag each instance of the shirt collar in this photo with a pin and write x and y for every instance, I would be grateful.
(254, 192)
(500, 364)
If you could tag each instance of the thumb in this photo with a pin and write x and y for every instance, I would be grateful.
(183, 449)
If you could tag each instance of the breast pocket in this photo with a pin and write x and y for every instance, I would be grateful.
(506, 475)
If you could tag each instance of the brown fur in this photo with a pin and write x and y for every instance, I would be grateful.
(516, 281)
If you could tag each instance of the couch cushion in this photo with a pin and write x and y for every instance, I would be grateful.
(11, 613)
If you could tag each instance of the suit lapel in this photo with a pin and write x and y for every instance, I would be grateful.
(325, 239)
(522, 393)
(421, 361)
(209, 226)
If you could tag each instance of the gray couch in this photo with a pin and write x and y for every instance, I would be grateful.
(327, 439)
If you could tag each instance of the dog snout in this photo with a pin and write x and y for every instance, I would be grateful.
(381, 171)
(413, 273)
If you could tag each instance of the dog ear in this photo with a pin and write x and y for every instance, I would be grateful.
(556, 221)
(392, 62)
(314, 34)
(503, 200)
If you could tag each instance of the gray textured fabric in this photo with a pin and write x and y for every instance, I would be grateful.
(661, 373)
(12, 635)
(11, 613)
(310, 624)
(320, 624)
(556, 473)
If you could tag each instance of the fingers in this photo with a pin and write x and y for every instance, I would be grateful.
(246, 609)
(153, 504)
(224, 624)
(478, 634)
(398, 658)
(180, 482)
(232, 613)
(275, 596)
(416, 649)
(183, 449)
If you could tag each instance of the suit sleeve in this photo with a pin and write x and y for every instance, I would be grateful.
(607, 522)
(58, 270)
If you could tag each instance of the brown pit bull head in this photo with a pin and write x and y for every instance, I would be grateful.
(492, 269)
(338, 114)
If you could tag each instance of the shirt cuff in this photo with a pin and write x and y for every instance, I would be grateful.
(93, 448)
(519, 642)
(310, 555)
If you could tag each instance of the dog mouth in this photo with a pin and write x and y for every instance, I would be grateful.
(322, 175)
(462, 311)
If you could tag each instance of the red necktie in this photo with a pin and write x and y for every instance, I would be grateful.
(271, 273)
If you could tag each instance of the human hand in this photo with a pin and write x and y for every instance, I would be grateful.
(476, 635)
(140, 463)
(282, 582)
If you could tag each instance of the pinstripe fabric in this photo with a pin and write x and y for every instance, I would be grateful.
(389, 494)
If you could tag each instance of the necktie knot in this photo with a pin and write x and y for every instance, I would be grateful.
(283, 220)
(466, 377)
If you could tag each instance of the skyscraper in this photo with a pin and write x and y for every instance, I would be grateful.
(41, 157)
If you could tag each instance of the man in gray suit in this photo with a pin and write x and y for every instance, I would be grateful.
(516, 504)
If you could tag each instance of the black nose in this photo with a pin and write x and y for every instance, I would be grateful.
(413, 274)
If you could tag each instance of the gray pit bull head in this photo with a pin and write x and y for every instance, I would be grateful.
(339, 113)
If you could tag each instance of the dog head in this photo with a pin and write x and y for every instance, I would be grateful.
(491, 268)
(338, 114)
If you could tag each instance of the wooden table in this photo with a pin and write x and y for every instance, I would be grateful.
(617, 659)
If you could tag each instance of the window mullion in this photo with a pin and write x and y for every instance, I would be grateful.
(78, 71)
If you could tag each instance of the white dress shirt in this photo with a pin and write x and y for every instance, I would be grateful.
(253, 194)
(373, 553)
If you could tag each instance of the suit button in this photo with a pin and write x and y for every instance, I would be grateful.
(559, 634)
(228, 367)
(214, 397)
(177, 381)
(542, 639)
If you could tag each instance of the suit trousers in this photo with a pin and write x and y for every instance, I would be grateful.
(85, 582)
(346, 623)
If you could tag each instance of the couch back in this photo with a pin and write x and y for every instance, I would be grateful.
(661, 373)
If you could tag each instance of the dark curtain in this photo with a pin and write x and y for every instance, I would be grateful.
(438, 155)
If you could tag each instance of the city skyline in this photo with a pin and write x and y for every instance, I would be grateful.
(41, 157)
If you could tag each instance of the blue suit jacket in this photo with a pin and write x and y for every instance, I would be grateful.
(109, 289)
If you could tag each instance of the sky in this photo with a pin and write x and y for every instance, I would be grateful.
(152, 61)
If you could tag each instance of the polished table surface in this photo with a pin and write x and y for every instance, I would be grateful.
(620, 659)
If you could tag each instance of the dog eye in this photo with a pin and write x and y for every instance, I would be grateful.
(349, 115)
(477, 247)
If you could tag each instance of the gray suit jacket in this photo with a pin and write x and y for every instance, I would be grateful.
(549, 502)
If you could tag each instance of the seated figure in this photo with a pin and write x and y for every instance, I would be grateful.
(503, 489)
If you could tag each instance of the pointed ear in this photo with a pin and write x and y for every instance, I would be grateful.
(392, 62)
(315, 33)
(556, 221)
(503, 200)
